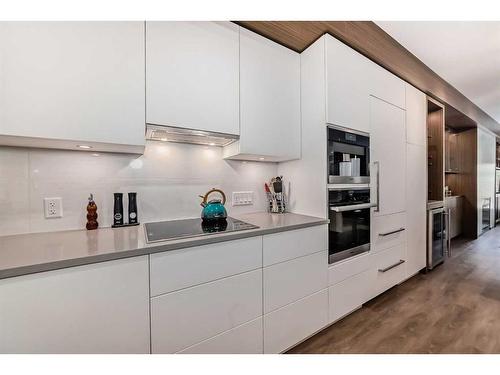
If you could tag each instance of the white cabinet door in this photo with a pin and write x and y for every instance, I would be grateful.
(286, 327)
(244, 339)
(388, 231)
(192, 73)
(388, 149)
(279, 247)
(98, 308)
(416, 207)
(349, 294)
(290, 281)
(269, 100)
(389, 269)
(68, 83)
(416, 116)
(348, 77)
(174, 270)
(388, 87)
(189, 316)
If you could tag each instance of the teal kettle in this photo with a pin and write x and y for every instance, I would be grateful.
(214, 209)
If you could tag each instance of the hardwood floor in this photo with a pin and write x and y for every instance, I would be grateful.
(453, 309)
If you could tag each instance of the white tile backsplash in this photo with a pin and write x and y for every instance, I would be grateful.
(168, 179)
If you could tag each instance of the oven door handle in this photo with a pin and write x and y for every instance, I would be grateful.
(352, 207)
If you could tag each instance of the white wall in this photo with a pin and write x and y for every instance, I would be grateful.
(168, 179)
(486, 155)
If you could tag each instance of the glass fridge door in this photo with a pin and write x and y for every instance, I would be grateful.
(438, 237)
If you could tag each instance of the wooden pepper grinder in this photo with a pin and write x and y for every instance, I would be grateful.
(92, 214)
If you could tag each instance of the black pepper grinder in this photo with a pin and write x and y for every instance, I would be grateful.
(132, 208)
(118, 210)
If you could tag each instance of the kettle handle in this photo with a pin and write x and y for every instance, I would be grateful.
(205, 197)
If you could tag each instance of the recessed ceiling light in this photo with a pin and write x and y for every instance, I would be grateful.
(212, 144)
(261, 158)
(163, 139)
(85, 147)
(95, 154)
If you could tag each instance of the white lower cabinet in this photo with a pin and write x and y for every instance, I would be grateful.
(293, 323)
(389, 269)
(279, 247)
(348, 295)
(244, 339)
(99, 308)
(292, 280)
(388, 231)
(174, 270)
(189, 316)
(340, 271)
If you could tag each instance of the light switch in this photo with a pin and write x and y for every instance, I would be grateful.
(242, 198)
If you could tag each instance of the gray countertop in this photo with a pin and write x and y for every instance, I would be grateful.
(38, 252)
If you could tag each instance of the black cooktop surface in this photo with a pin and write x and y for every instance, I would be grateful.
(177, 229)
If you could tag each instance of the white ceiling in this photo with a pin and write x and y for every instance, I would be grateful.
(466, 54)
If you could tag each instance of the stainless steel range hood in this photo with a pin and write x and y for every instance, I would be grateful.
(198, 137)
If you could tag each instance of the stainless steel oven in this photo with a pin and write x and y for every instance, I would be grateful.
(348, 157)
(349, 228)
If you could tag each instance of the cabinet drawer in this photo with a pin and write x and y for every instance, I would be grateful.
(284, 246)
(388, 231)
(293, 323)
(349, 294)
(342, 270)
(290, 281)
(389, 269)
(244, 339)
(189, 316)
(183, 268)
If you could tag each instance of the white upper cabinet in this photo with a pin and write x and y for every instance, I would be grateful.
(416, 116)
(388, 153)
(348, 76)
(386, 86)
(67, 83)
(269, 101)
(192, 75)
(350, 80)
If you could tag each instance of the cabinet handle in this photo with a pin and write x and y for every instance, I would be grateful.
(377, 163)
(401, 261)
(391, 232)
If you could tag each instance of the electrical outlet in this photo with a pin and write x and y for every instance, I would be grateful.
(242, 198)
(53, 207)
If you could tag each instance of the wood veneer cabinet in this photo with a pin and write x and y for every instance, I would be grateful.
(435, 150)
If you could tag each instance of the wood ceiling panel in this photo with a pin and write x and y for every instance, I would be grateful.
(373, 42)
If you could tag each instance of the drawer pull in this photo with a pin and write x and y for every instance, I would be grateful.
(401, 261)
(391, 232)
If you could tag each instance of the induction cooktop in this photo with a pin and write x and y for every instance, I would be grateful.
(178, 229)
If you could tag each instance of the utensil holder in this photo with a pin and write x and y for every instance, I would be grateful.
(277, 203)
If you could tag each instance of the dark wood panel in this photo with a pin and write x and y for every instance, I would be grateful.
(435, 152)
(373, 42)
(457, 120)
(465, 182)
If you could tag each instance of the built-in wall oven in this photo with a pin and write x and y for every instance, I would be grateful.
(349, 228)
(348, 157)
